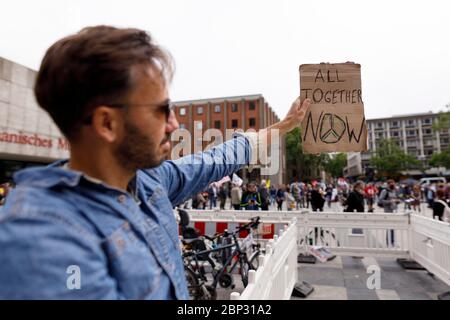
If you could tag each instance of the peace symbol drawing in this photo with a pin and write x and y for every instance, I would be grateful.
(332, 128)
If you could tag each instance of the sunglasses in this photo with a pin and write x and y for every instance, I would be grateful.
(167, 106)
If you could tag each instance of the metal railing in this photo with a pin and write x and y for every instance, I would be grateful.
(277, 273)
(430, 245)
(400, 235)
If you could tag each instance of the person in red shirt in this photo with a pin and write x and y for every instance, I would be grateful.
(370, 191)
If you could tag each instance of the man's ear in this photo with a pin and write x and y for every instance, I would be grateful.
(107, 122)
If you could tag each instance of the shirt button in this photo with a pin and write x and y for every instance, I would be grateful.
(122, 198)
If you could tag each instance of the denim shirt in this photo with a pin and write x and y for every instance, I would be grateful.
(59, 229)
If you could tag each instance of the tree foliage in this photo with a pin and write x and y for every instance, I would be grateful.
(303, 166)
(335, 165)
(389, 160)
(441, 159)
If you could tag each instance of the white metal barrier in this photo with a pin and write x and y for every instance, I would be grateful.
(277, 272)
(399, 235)
(430, 245)
(352, 234)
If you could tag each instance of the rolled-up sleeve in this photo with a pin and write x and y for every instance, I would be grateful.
(191, 174)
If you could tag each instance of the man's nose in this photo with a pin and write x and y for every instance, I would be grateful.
(172, 123)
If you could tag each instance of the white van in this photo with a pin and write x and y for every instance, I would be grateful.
(426, 181)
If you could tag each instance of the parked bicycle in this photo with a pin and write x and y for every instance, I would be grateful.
(229, 253)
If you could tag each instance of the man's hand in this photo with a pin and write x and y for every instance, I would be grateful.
(292, 120)
(296, 114)
(294, 117)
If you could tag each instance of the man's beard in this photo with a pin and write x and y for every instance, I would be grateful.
(137, 151)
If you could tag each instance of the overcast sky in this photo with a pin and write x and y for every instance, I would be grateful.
(228, 48)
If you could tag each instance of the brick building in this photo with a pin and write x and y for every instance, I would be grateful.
(238, 112)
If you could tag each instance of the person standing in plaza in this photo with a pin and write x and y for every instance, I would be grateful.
(100, 225)
(355, 199)
(280, 197)
(265, 196)
(290, 200)
(317, 199)
(236, 195)
(417, 198)
(441, 209)
(369, 192)
(389, 199)
(296, 193)
(251, 198)
(212, 195)
(223, 195)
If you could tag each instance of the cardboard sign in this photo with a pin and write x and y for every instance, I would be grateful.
(335, 121)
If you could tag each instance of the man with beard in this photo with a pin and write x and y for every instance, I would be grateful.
(100, 225)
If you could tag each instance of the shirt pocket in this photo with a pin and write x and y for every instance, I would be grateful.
(132, 263)
(161, 207)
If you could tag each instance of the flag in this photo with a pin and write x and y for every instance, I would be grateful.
(236, 180)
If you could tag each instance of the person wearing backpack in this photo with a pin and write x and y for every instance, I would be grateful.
(441, 208)
(389, 200)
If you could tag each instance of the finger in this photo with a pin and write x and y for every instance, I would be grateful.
(296, 104)
(305, 105)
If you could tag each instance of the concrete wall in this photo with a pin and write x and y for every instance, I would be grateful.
(26, 131)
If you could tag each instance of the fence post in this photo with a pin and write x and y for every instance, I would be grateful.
(234, 296)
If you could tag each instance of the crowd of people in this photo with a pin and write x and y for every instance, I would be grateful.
(389, 196)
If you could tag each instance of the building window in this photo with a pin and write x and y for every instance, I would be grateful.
(426, 121)
(199, 125)
(234, 107)
(199, 110)
(182, 126)
(411, 133)
(411, 122)
(380, 125)
(426, 131)
(182, 111)
(234, 123)
(217, 108)
(251, 105)
(395, 134)
(252, 122)
(394, 124)
(217, 124)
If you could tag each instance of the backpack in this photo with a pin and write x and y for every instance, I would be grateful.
(380, 201)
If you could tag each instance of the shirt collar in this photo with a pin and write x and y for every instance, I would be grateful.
(58, 173)
(47, 177)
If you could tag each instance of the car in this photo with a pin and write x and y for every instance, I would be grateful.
(430, 180)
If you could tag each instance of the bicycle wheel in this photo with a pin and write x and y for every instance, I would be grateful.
(253, 261)
(197, 289)
(192, 282)
(244, 268)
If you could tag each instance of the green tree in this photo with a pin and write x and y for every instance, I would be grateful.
(443, 120)
(441, 159)
(335, 165)
(389, 160)
(301, 165)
